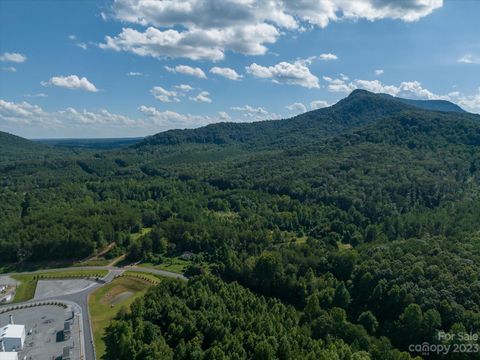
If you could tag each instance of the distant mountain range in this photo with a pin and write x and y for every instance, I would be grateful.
(95, 143)
(361, 107)
(435, 105)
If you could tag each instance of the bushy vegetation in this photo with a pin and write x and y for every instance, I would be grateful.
(209, 319)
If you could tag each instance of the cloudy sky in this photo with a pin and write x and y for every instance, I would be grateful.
(125, 68)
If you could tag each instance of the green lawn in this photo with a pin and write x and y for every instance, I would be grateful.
(70, 274)
(105, 303)
(25, 289)
(176, 265)
(143, 275)
(28, 282)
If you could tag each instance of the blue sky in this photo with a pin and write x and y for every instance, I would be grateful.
(137, 67)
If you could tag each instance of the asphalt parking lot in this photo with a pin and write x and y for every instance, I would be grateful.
(55, 288)
(43, 326)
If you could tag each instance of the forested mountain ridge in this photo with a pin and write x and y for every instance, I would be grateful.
(7, 139)
(435, 105)
(358, 224)
(9, 144)
(359, 108)
(15, 148)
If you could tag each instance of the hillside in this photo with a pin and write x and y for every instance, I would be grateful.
(435, 105)
(9, 142)
(361, 220)
(359, 108)
(15, 148)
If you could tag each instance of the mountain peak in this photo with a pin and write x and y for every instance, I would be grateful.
(434, 105)
(361, 92)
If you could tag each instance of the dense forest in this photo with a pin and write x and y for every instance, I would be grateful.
(350, 232)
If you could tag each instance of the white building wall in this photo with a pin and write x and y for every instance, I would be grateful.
(8, 356)
(12, 336)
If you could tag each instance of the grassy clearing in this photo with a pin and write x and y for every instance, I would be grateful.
(25, 289)
(343, 246)
(225, 215)
(143, 275)
(142, 232)
(105, 303)
(70, 274)
(300, 240)
(175, 264)
(27, 283)
(98, 259)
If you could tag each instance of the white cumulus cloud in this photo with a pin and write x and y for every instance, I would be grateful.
(250, 113)
(318, 104)
(328, 57)
(183, 87)
(71, 82)
(203, 97)
(27, 114)
(226, 73)
(32, 121)
(297, 107)
(195, 44)
(13, 57)
(224, 116)
(468, 102)
(296, 73)
(250, 109)
(187, 70)
(164, 120)
(339, 85)
(163, 95)
(207, 29)
(469, 59)
(42, 95)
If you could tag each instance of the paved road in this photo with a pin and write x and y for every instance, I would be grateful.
(110, 268)
(81, 298)
(156, 272)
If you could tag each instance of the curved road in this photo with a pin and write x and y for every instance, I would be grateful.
(81, 298)
(109, 268)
